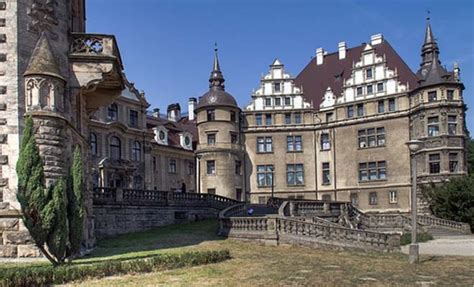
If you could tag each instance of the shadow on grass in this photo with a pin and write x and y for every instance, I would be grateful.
(152, 242)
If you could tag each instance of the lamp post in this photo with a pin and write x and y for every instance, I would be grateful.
(273, 186)
(413, 146)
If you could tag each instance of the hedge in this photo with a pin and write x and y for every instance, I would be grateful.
(47, 274)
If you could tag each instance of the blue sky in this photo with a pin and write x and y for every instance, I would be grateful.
(167, 46)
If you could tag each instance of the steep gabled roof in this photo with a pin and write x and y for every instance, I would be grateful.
(315, 79)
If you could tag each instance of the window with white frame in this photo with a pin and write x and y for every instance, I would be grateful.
(452, 124)
(433, 126)
(172, 166)
(373, 198)
(392, 196)
(264, 175)
(375, 170)
(295, 174)
(294, 143)
(264, 144)
(325, 141)
(326, 173)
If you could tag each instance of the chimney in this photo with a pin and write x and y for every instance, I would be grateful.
(191, 105)
(156, 112)
(376, 39)
(174, 112)
(319, 56)
(342, 50)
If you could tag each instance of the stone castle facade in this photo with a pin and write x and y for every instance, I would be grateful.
(337, 131)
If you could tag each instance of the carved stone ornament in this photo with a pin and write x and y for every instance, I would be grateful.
(42, 17)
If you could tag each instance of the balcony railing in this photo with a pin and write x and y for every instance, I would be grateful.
(94, 45)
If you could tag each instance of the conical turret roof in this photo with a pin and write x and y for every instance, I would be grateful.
(42, 61)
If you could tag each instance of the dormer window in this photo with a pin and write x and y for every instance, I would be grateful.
(277, 87)
(368, 73)
(161, 135)
(112, 112)
(186, 140)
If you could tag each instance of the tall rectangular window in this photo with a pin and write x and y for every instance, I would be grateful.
(190, 168)
(268, 119)
(452, 125)
(238, 167)
(325, 141)
(211, 115)
(264, 144)
(373, 198)
(211, 167)
(277, 87)
(268, 102)
(233, 138)
(359, 91)
(375, 170)
(326, 173)
(277, 102)
(258, 119)
(295, 174)
(264, 175)
(432, 96)
(133, 121)
(434, 161)
(211, 139)
(172, 166)
(233, 117)
(392, 196)
(453, 162)
(381, 107)
(433, 126)
(360, 110)
(370, 89)
(350, 111)
(368, 73)
(288, 118)
(329, 117)
(154, 163)
(391, 105)
(354, 197)
(293, 143)
(450, 95)
(297, 118)
(379, 87)
(287, 101)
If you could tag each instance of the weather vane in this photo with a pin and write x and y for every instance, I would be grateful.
(428, 15)
(215, 46)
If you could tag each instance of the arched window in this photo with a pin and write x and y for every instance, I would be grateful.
(112, 112)
(115, 148)
(93, 143)
(136, 151)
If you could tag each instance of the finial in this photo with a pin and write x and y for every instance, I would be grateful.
(215, 47)
(428, 15)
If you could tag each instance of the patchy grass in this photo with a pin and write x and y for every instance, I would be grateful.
(420, 237)
(256, 264)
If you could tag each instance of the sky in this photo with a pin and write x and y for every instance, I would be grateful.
(167, 45)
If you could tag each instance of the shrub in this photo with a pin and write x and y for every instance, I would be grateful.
(47, 275)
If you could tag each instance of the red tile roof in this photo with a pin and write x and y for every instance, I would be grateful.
(315, 79)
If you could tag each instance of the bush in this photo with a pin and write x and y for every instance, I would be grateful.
(420, 237)
(47, 275)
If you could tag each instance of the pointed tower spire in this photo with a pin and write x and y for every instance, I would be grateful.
(216, 81)
(429, 50)
(42, 61)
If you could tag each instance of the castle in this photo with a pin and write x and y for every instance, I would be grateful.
(336, 131)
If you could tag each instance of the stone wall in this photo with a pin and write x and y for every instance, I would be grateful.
(15, 240)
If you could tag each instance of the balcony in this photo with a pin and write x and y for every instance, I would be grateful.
(97, 68)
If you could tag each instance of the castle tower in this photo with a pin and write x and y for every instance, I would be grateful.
(219, 152)
(437, 117)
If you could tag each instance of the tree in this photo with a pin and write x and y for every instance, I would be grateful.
(470, 157)
(53, 215)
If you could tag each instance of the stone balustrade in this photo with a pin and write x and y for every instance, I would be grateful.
(93, 45)
(431, 221)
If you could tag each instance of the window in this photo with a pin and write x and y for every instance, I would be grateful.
(268, 102)
(371, 137)
(190, 168)
(452, 124)
(370, 89)
(354, 197)
(329, 117)
(326, 197)
(293, 143)
(375, 170)
(211, 139)
(172, 166)
(93, 143)
(136, 151)
(359, 91)
(258, 119)
(133, 121)
(287, 101)
(162, 135)
(233, 117)
(287, 118)
(294, 174)
(238, 167)
(433, 126)
(112, 112)
(379, 87)
(211, 115)
(453, 162)
(211, 167)
(350, 111)
(154, 163)
(233, 138)
(115, 148)
(391, 105)
(268, 119)
(278, 102)
(211, 191)
(277, 87)
(326, 174)
(450, 94)
(325, 141)
(434, 161)
(432, 96)
(297, 118)
(137, 182)
(360, 110)
(392, 196)
(373, 198)
(264, 144)
(381, 107)
(368, 74)
(264, 175)
(238, 194)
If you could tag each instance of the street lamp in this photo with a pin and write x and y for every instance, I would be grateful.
(413, 254)
(273, 186)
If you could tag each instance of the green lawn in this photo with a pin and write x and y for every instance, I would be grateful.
(256, 264)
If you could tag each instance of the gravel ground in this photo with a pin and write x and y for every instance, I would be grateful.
(448, 245)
